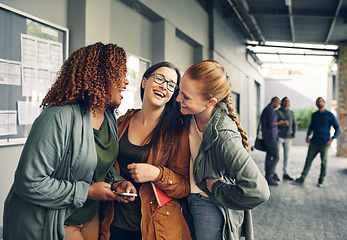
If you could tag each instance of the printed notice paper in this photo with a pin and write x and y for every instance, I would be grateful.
(8, 122)
(27, 112)
(9, 72)
(41, 60)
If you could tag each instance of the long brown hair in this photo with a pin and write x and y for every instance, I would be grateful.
(88, 76)
(215, 83)
(169, 127)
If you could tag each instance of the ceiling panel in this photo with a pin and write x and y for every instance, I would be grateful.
(321, 22)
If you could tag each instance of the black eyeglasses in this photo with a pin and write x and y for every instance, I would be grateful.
(160, 79)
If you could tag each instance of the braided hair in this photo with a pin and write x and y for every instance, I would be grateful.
(215, 83)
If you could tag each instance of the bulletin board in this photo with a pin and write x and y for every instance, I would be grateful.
(32, 52)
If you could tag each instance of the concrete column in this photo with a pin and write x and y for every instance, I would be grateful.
(163, 39)
(76, 12)
(342, 99)
(98, 21)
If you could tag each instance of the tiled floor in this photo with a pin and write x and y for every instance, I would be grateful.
(304, 212)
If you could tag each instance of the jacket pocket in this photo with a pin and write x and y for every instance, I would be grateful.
(236, 218)
(167, 221)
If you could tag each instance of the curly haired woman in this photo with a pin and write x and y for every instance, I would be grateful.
(224, 180)
(72, 146)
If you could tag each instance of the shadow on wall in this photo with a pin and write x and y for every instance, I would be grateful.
(297, 99)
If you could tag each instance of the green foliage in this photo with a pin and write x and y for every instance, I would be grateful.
(35, 29)
(303, 117)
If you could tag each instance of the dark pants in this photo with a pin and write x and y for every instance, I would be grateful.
(122, 234)
(272, 157)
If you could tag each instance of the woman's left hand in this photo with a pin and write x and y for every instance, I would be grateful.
(211, 181)
(143, 172)
(100, 191)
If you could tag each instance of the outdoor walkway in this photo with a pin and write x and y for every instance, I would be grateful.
(304, 212)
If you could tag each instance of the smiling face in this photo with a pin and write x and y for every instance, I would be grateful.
(158, 94)
(117, 96)
(116, 92)
(190, 97)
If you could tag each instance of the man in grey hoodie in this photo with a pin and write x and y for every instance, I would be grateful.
(286, 133)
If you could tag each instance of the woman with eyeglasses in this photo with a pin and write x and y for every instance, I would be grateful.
(153, 149)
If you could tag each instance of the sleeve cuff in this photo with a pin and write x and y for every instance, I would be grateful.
(216, 185)
(160, 176)
(82, 189)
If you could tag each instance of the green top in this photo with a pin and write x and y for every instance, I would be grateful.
(107, 151)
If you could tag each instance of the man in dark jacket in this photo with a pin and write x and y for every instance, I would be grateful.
(321, 122)
(269, 130)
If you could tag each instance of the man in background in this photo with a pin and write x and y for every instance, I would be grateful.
(286, 133)
(321, 123)
(269, 130)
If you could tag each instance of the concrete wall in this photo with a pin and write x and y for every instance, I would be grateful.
(230, 51)
(154, 30)
(302, 89)
(42, 9)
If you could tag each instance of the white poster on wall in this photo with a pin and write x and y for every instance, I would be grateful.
(9, 72)
(8, 122)
(28, 112)
(41, 59)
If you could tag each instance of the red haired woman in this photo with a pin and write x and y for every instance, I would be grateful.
(225, 182)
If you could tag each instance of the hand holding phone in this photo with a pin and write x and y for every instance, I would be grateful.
(126, 194)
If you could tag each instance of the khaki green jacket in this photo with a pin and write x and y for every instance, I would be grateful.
(221, 154)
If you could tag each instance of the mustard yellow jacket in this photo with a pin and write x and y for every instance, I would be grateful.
(168, 223)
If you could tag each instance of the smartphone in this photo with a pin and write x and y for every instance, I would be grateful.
(128, 194)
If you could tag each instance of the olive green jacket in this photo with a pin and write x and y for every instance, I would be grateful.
(221, 154)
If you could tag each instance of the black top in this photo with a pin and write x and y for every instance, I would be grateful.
(128, 215)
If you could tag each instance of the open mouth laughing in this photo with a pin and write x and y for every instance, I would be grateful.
(159, 93)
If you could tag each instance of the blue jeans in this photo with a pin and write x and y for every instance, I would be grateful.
(122, 234)
(207, 220)
(286, 143)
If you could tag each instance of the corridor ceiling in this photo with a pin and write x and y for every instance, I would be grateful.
(292, 24)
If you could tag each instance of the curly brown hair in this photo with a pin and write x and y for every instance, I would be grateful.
(88, 76)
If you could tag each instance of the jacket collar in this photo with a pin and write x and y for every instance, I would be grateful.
(123, 121)
(215, 124)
